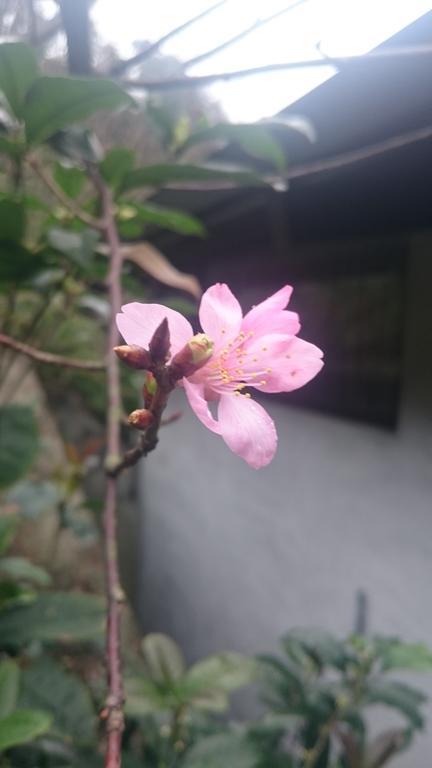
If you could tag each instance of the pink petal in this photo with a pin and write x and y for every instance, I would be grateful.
(195, 395)
(264, 361)
(292, 364)
(247, 429)
(220, 314)
(270, 317)
(138, 322)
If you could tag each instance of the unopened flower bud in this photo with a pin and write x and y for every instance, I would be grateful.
(134, 356)
(141, 418)
(160, 343)
(196, 353)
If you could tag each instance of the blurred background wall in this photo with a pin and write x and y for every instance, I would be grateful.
(233, 562)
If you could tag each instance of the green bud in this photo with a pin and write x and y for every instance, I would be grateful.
(196, 353)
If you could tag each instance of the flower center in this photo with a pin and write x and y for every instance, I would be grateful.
(235, 368)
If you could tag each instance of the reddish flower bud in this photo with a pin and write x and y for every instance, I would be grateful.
(134, 356)
(196, 353)
(141, 418)
(160, 343)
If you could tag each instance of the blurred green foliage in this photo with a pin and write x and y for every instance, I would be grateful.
(53, 270)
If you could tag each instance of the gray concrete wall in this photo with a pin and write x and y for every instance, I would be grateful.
(232, 558)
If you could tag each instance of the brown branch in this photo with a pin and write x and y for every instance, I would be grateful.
(66, 202)
(240, 36)
(149, 439)
(48, 357)
(122, 66)
(200, 81)
(132, 457)
(114, 703)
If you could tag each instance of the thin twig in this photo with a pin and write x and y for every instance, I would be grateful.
(27, 336)
(320, 166)
(200, 81)
(122, 66)
(258, 24)
(171, 419)
(114, 703)
(66, 202)
(48, 357)
(7, 325)
(33, 30)
(363, 153)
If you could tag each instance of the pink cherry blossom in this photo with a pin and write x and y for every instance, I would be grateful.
(260, 350)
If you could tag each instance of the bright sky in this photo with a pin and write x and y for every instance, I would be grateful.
(341, 27)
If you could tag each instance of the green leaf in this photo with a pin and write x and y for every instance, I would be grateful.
(17, 263)
(209, 700)
(162, 174)
(222, 750)
(163, 658)
(22, 726)
(88, 759)
(224, 671)
(8, 526)
(33, 497)
(256, 139)
(395, 654)
(55, 102)
(18, 70)
(167, 218)
(129, 761)
(78, 144)
(400, 696)
(12, 594)
(20, 569)
(130, 229)
(296, 123)
(320, 646)
(9, 684)
(143, 697)
(18, 442)
(264, 140)
(12, 220)
(70, 179)
(46, 685)
(204, 686)
(116, 164)
(9, 147)
(54, 617)
(77, 246)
